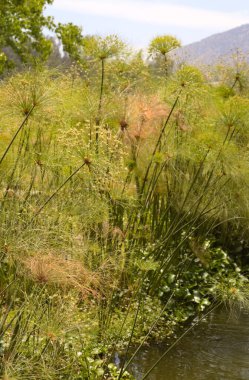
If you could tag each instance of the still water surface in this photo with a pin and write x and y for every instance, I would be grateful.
(217, 349)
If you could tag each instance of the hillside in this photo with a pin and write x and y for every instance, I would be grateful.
(216, 47)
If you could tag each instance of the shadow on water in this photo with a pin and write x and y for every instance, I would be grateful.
(217, 349)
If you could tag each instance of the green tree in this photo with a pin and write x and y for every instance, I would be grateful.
(21, 26)
(72, 40)
(160, 47)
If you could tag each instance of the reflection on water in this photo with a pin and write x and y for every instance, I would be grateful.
(217, 349)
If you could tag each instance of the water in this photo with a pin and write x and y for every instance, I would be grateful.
(217, 349)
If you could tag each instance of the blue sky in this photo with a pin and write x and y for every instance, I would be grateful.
(138, 21)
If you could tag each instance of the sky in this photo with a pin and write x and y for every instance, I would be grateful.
(138, 21)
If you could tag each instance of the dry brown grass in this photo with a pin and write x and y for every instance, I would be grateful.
(143, 116)
(53, 270)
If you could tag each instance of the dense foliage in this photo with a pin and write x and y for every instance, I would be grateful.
(123, 192)
(21, 25)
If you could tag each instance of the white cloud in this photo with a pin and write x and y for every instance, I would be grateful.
(156, 13)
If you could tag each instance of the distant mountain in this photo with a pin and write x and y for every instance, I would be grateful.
(217, 47)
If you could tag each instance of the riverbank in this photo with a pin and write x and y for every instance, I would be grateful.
(114, 228)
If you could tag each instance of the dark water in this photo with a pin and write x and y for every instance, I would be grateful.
(217, 349)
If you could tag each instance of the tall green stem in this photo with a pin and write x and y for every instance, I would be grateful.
(57, 191)
(158, 142)
(17, 132)
(99, 116)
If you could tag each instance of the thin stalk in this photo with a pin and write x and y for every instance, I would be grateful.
(101, 88)
(149, 332)
(4, 290)
(166, 263)
(119, 336)
(17, 132)
(57, 191)
(175, 221)
(131, 335)
(178, 226)
(165, 65)
(19, 152)
(99, 115)
(159, 141)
